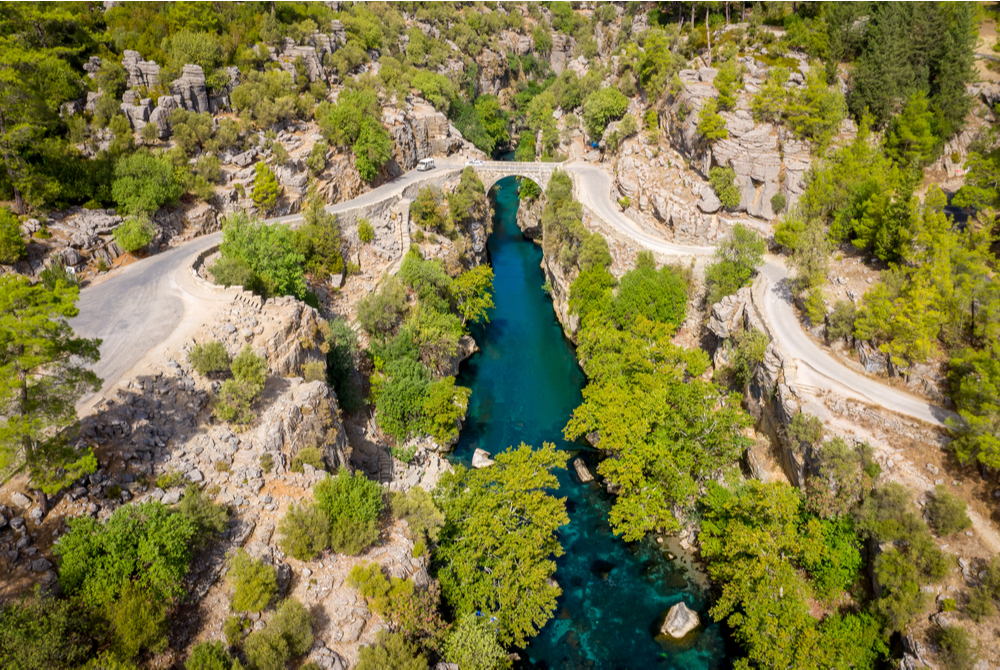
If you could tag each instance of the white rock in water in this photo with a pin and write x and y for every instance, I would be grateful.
(680, 621)
(481, 459)
(581, 471)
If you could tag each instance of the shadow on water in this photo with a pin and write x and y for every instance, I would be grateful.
(525, 384)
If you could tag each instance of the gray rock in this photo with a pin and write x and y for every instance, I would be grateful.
(933, 469)
(41, 565)
(873, 360)
(20, 500)
(680, 621)
(141, 73)
(481, 459)
(190, 88)
(709, 202)
(36, 515)
(17, 523)
(581, 471)
(171, 497)
(161, 115)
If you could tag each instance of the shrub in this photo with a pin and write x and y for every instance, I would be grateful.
(711, 126)
(980, 605)
(55, 274)
(232, 272)
(209, 656)
(268, 251)
(209, 358)
(134, 233)
(381, 313)
(840, 323)
(391, 651)
(815, 307)
(417, 507)
(946, 512)
(232, 628)
(288, 634)
(139, 621)
(957, 648)
(316, 161)
(366, 233)
(12, 247)
(341, 362)
(45, 632)
(267, 462)
(304, 531)
(723, 181)
(207, 517)
(628, 126)
(748, 354)
(354, 505)
(254, 583)
(624, 202)
(249, 374)
(443, 407)
(778, 202)
(314, 371)
(736, 261)
(307, 456)
(168, 480)
(143, 545)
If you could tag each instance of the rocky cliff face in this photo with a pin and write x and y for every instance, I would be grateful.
(529, 219)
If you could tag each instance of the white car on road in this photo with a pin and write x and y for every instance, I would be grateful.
(474, 163)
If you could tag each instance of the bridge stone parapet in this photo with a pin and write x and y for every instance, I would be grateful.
(490, 172)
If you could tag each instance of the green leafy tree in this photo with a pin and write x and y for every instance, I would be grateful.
(269, 253)
(444, 407)
(12, 246)
(668, 430)
(354, 505)
(372, 149)
(145, 546)
(770, 100)
(723, 181)
(499, 539)
(287, 635)
(659, 62)
(473, 294)
(736, 261)
(958, 648)
(236, 395)
(254, 582)
(207, 517)
(659, 295)
(711, 126)
(318, 240)
(602, 107)
(144, 182)
(975, 380)
(42, 377)
(134, 234)
(266, 188)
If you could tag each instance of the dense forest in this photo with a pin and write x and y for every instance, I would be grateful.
(831, 572)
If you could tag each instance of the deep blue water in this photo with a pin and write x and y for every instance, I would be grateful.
(525, 384)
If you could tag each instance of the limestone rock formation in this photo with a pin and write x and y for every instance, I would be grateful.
(190, 91)
(680, 621)
(141, 73)
(581, 471)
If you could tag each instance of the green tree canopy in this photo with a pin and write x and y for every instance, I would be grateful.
(144, 182)
(42, 376)
(499, 539)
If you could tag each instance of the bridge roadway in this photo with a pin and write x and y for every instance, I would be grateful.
(146, 302)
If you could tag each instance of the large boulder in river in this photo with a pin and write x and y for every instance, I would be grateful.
(481, 459)
(680, 621)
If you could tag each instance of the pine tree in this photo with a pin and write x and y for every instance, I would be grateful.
(266, 188)
(42, 376)
(911, 141)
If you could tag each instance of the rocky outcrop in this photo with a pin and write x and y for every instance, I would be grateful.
(773, 397)
(136, 110)
(680, 621)
(562, 51)
(160, 116)
(190, 91)
(481, 459)
(493, 73)
(559, 279)
(529, 219)
(466, 347)
(141, 73)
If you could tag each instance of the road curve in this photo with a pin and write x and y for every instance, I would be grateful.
(141, 306)
(816, 366)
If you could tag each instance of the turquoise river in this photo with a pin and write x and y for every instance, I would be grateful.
(525, 383)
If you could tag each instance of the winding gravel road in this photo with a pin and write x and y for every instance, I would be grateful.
(144, 303)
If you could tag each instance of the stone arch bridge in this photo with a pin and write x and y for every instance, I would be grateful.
(490, 172)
